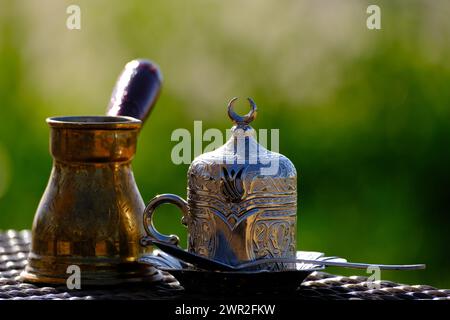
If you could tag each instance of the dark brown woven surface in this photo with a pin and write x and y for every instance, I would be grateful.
(14, 246)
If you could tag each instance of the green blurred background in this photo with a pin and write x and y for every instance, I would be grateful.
(364, 115)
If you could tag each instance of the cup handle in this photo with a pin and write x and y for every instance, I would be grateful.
(148, 217)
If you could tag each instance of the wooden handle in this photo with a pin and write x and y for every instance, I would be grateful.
(136, 90)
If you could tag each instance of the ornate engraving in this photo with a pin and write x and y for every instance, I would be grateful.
(236, 195)
(273, 239)
(201, 237)
(232, 184)
(237, 213)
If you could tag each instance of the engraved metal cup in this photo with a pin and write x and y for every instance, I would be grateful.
(235, 210)
(89, 215)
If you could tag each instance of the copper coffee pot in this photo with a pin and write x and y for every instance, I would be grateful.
(90, 213)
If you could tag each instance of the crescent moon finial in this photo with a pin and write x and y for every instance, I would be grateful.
(246, 119)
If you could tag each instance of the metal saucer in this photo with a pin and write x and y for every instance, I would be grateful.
(219, 282)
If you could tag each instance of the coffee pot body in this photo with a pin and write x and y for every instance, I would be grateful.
(90, 213)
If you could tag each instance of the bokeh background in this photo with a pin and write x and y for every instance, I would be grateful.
(364, 115)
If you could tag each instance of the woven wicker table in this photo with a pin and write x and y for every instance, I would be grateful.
(14, 247)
